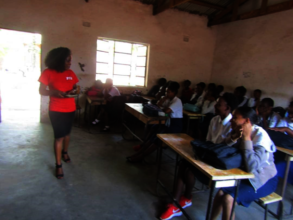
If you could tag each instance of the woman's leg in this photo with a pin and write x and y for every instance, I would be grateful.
(58, 153)
(217, 205)
(189, 183)
(65, 146)
(222, 203)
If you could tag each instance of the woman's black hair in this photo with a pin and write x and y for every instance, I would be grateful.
(174, 87)
(231, 100)
(270, 102)
(258, 90)
(212, 86)
(241, 89)
(248, 112)
(56, 58)
(187, 82)
(162, 81)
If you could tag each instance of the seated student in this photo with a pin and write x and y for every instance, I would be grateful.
(162, 91)
(220, 90)
(286, 125)
(187, 92)
(258, 157)
(211, 86)
(96, 89)
(219, 131)
(171, 105)
(255, 100)
(268, 118)
(210, 100)
(109, 92)
(197, 97)
(155, 89)
(240, 92)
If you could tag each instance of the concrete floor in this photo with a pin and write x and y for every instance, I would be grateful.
(98, 184)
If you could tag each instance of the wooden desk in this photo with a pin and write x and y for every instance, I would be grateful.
(136, 111)
(191, 116)
(92, 101)
(180, 143)
(289, 158)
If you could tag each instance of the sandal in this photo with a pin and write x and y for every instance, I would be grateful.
(68, 158)
(59, 176)
(105, 129)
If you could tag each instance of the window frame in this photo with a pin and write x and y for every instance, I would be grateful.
(114, 63)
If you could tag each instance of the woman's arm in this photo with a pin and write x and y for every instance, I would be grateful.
(283, 130)
(161, 101)
(43, 91)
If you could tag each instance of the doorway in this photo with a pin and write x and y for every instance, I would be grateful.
(20, 61)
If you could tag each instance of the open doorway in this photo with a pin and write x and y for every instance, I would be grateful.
(20, 56)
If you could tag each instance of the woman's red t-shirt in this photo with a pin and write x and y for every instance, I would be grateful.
(63, 82)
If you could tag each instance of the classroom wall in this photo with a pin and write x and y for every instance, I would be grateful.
(60, 23)
(256, 53)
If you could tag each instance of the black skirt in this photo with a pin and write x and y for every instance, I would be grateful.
(61, 123)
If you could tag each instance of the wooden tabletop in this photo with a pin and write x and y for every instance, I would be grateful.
(94, 100)
(136, 110)
(192, 114)
(286, 151)
(180, 143)
(148, 97)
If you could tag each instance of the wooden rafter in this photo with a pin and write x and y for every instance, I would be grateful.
(164, 6)
(224, 12)
(207, 4)
(262, 11)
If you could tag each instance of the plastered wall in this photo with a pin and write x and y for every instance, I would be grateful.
(60, 23)
(258, 54)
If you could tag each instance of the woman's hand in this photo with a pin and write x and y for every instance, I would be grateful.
(281, 129)
(57, 93)
(246, 131)
(235, 135)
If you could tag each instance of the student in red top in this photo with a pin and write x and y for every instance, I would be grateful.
(61, 82)
(187, 92)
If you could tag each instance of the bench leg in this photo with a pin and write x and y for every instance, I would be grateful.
(266, 212)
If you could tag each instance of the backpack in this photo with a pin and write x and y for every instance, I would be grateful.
(191, 107)
(280, 139)
(151, 110)
(219, 156)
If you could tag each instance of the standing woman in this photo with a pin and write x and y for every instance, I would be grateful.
(61, 81)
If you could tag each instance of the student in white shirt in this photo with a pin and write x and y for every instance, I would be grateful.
(172, 106)
(255, 100)
(219, 130)
(109, 92)
(209, 103)
(268, 118)
(220, 125)
(258, 156)
(198, 96)
(220, 90)
(240, 92)
(286, 125)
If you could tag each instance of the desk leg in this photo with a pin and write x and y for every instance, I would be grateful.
(235, 199)
(159, 165)
(85, 111)
(175, 173)
(280, 210)
(188, 124)
(209, 210)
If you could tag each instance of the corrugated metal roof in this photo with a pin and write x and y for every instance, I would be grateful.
(194, 8)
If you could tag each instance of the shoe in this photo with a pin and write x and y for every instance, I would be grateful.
(65, 160)
(137, 147)
(105, 129)
(95, 122)
(171, 212)
(59, 176)
(184, 202)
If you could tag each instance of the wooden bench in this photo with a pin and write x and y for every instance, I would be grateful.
(265, 201)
